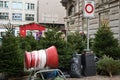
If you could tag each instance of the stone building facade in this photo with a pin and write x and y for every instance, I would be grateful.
(105, 10)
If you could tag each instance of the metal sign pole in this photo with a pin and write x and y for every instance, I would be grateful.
(88, 13)
(87, 20)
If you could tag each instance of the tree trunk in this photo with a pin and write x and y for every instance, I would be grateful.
(110, 74)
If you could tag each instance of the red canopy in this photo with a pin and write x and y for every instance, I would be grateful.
(31, 26)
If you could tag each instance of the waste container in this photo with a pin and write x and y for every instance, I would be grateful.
(75, 71)
(88, 63)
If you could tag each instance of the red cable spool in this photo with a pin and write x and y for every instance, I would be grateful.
(38, 59)
(27, 60)
(52, 57)
(33, 59)
(42, 58)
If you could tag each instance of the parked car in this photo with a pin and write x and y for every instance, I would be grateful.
(48, 74)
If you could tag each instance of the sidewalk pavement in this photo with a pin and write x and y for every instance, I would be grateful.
(98, 77)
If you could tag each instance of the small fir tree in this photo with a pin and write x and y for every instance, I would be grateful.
(54, 37)
(105, 43)
(78, 42)
(108, 65)
(11, 57)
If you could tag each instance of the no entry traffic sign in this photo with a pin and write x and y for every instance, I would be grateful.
(88, 9)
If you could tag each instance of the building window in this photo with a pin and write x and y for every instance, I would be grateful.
(17, 16)
(17, 5)
(29, 33)
(3, 34)
(29, 17)
(1, 4)
(30, 6)
(4, 4)
(4, 16)
(104, 18)
(71, 10)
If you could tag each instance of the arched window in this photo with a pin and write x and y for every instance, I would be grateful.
(71, 10)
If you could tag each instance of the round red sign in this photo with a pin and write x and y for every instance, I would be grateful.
(89, 8)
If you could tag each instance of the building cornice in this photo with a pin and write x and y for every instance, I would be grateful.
(65, 2)
(98, 5)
